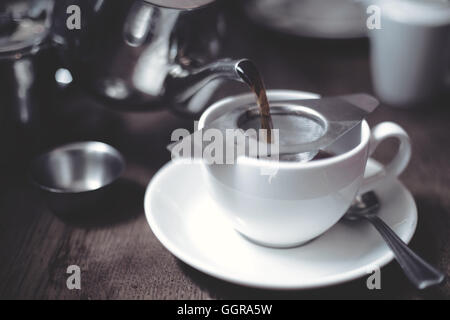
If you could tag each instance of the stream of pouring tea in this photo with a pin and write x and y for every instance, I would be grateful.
(250, 75)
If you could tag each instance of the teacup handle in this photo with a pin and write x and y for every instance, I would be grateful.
(400, 161)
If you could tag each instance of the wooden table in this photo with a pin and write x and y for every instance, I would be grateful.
(119, 256)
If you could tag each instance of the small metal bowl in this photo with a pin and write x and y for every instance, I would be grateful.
(76, 178)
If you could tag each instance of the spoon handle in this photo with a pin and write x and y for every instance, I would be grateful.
(419, 272)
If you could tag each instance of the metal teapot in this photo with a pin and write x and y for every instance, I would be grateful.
(145, 54)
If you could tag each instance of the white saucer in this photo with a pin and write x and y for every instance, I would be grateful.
(192, 227)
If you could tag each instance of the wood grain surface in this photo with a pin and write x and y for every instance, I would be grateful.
(119, 256)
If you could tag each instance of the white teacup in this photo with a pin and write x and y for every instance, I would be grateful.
(303, 200)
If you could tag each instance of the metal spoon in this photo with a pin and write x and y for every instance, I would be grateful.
(419, 272)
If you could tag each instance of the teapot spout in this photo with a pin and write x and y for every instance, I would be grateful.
(192, 88)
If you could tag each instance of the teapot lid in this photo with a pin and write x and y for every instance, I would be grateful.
(21, 27)
(181, 4)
